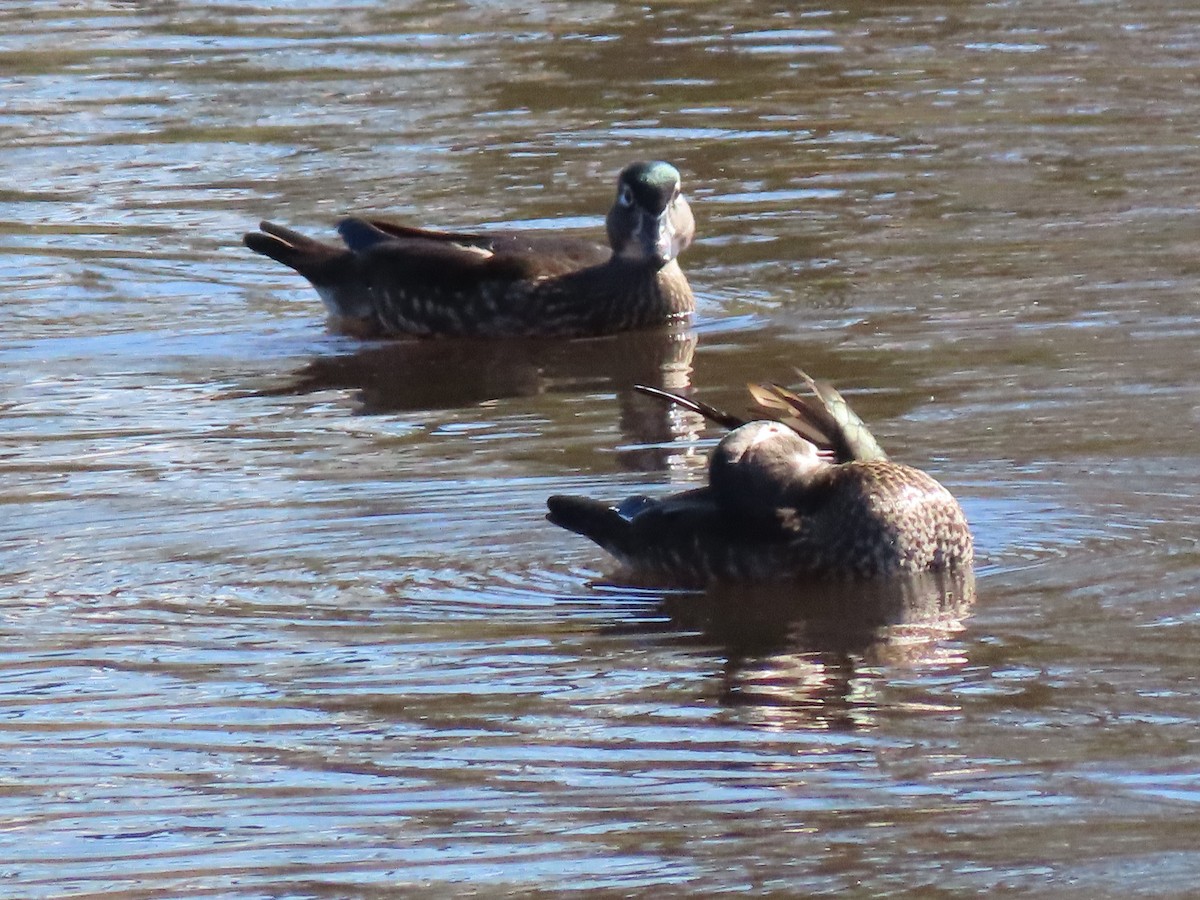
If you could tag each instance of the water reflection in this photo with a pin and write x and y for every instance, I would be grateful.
(413, 375)
(805, 655)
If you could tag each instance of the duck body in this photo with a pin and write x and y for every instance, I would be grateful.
(864, 520)
(392, 279)
(783, 504)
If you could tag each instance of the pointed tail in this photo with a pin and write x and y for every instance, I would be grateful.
(312, 259)
(596, 521)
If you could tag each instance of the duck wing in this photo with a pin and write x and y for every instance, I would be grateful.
(711, 413)
(544, 255)
(825, 418)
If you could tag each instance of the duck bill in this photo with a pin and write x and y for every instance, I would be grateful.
(664, 248)
(667, 239)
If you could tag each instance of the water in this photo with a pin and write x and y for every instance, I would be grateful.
(281, 615)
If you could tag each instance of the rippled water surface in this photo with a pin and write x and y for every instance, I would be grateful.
(281, 616)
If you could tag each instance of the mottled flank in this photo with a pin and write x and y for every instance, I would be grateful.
(816, 498)
(392, 279)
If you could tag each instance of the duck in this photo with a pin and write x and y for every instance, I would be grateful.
(802, 491)
(389, 279)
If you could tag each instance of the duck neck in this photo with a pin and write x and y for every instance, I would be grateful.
(660, 292)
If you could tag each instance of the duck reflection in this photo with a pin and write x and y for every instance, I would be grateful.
(415, 375)
(816, 654)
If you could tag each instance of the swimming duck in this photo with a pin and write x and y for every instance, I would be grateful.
(392, 279)
(807, 492)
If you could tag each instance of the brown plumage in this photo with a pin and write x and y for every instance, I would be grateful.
(392, 279)
(807, 493)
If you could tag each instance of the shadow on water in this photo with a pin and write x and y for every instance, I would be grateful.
(805, 655)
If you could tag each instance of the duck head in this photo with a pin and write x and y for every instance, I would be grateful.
(650, 221)
(762, 466)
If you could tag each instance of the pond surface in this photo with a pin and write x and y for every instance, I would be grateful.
(281, 616)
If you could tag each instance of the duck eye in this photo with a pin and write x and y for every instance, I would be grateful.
(625, 197)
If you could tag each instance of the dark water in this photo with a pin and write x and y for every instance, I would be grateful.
(280, 614)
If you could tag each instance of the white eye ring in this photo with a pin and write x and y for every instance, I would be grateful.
(625, 197)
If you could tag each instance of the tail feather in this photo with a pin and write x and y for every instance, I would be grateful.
(310, 258)
(599, 522)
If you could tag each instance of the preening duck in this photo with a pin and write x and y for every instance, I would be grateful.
(807, 492)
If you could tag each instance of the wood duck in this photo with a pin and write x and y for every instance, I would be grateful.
(806, 493)
(392, 279)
